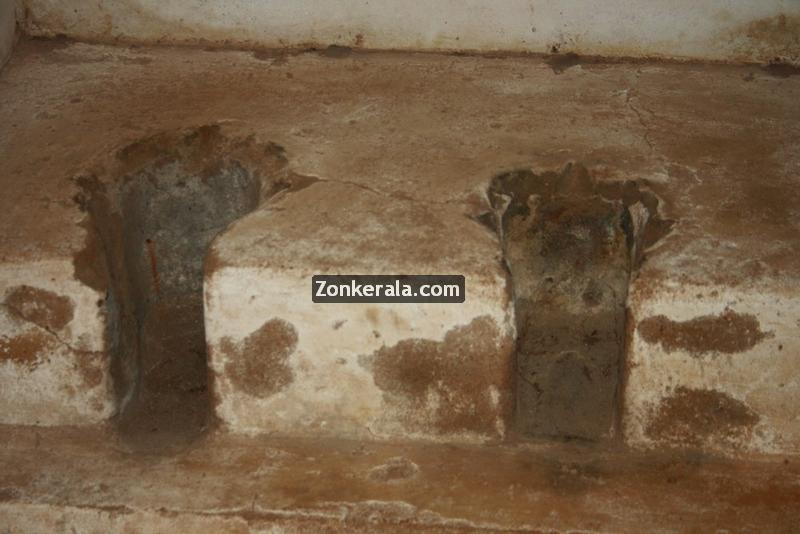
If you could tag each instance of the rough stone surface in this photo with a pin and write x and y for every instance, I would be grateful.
(415, 140)
(83, 480)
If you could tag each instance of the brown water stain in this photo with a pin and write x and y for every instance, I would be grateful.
(458, 370)
(24, 349)
(89, 264)
(202, 151)
(778, 35)
(259, 364)
(90, 368)
(729, 333)
(41, 307)
(691, 416)
(151, 252)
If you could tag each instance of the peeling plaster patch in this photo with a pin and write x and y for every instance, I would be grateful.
(41, 307)
(259, 364)
(24, 349)
(693, 416)
(729, 332)
(440, 381)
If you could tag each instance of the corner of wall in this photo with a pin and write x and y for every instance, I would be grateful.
(10, 12)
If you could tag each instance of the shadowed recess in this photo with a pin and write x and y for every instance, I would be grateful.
(570, 244)
(154, 215)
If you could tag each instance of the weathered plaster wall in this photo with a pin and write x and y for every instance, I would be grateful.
(713, 368)
(53, 360)
(401, 144)
(282, 364)
(8, 26)
(738, 30)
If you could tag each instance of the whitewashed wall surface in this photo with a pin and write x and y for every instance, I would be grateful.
(731, 30)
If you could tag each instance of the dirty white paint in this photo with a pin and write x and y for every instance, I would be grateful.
(53, 391)
(333, 392)
(708, 29)
(8, 26)
(763, 377)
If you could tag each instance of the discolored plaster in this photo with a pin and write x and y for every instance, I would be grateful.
(449, 384)
(776, 37)
(24, 349)
(41, 307)
(729, 332)
(93, 368)
(259, 364)
(690, 417)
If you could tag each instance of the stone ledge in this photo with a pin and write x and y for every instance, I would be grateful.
(87, 479)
